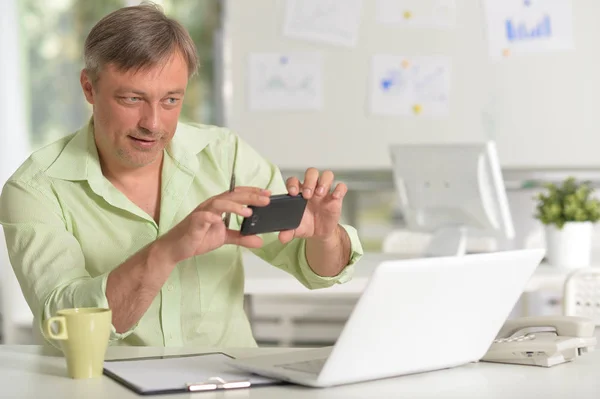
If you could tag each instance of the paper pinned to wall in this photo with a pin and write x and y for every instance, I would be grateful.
(417, 13)
(330, 21)
(410, 86)
(285, 81)
(528, 26)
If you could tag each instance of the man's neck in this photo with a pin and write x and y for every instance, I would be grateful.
(141, 185)
(122, 175)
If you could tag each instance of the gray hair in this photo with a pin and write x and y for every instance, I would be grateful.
(136, 38)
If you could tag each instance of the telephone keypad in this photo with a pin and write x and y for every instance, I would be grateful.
(519, 338)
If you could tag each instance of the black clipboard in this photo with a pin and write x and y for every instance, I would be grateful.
(157, 375)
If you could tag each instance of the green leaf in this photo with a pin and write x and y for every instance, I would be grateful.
(570, 201)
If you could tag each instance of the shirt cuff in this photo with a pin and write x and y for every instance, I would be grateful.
(313, 280)
(355, 245)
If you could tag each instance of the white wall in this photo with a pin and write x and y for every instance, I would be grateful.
(524, 102)
(13, 150)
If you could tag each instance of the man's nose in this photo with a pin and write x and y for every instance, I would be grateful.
(149, 119)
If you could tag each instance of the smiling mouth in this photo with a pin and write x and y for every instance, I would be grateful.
(142, 140)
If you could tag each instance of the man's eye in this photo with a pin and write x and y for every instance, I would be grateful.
(131, 100)
(172, 101)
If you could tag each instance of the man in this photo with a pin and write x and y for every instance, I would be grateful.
(127, 212)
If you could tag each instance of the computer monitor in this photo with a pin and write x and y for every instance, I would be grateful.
(451, 190)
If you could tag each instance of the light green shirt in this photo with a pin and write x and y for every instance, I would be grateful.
(67, 227)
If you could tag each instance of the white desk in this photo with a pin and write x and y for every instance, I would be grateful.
(29, 372)
(264, 279)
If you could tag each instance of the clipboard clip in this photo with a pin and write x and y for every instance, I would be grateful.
(214, 383)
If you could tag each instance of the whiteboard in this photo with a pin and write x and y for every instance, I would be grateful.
(543, 110)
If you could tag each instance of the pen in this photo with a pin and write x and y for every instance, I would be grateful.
(214, 383)
(231, 188)
(231, 184)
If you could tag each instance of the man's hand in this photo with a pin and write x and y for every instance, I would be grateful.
(328, 246)
(323, 209)
(203, 229)
(131, 287)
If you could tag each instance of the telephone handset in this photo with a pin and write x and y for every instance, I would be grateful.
(542, 341)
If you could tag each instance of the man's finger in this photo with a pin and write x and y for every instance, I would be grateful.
(310, 182)
(286, 236)
(222, 205)
(247, 189)
(293, 185)
(340, 191)
(324, 183)
(246, 198)
(204, 218)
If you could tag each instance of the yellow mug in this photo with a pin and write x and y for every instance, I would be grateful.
(83, 334)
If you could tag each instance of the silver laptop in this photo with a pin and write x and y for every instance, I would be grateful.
(413, 316)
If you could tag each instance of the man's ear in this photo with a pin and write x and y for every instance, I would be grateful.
(86, 85)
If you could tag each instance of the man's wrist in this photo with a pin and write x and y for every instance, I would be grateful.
(327, 256)
(331, 241)
(337, 241)
(161, 252)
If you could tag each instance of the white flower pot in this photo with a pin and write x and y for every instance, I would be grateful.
(571, 246)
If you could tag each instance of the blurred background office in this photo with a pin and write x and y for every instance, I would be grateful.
(41, 101)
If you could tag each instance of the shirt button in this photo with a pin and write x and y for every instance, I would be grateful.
(170, 287)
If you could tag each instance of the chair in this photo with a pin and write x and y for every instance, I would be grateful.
(582, 294)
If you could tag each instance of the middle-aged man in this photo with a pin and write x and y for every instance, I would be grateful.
(127, 212)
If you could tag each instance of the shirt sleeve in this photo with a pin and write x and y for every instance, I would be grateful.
(254, 170)
(46, 258)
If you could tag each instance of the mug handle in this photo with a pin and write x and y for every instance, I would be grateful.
(62, 328)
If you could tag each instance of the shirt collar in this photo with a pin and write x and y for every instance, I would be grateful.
(187, 143)
(79, 159)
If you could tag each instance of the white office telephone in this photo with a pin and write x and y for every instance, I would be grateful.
(542, 341)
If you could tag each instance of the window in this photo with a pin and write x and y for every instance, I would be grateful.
(54, 33)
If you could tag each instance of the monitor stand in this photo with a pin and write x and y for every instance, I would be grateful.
(447, 241)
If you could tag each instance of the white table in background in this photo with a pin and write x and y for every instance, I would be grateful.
(264, 279)
(34, 372)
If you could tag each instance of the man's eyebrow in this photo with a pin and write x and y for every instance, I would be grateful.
(178, 91)
(130, 90)
(142, 93)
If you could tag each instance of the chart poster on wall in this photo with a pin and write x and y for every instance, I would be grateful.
(330, 21)
(417, 13)
(516, 27)
(285, 81)
(409, 86)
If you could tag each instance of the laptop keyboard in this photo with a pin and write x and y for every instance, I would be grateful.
(313, 366)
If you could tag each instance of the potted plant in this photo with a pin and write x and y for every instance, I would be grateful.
(568, 212)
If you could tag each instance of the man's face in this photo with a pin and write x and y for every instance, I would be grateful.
(136, 112)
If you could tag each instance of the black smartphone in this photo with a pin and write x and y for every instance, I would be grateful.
(284, 212)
